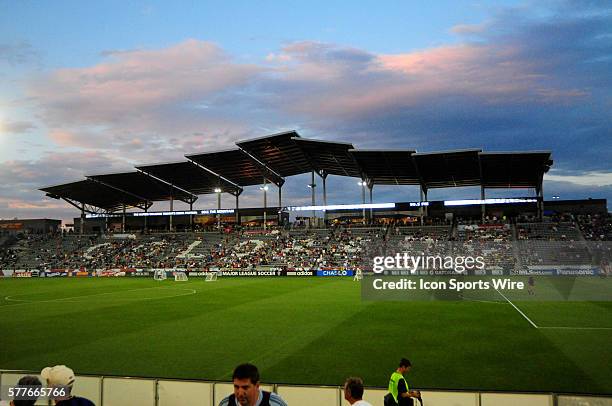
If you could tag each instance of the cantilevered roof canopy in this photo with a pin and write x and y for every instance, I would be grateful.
(236, 166)
(330, 158)
(278, 152)
(514, 169)
(387, 167)
(448, 168)
(190, 177)
(93, 194)
(143, 186)
(271, 158)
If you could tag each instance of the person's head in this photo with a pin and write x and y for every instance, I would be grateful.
(28, 381)
(246, 384)
(404, 366)
(353, 390)
(61, 377)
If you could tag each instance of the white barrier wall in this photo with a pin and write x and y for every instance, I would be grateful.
(583, 401)
(89, 387)
(374, 396)
(504, 399)
(304, 396)
(117, 391)
(128, 392)
(435, 398)
(172, 393)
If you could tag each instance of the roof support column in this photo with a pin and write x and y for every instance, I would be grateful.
(218, 209)
(123, 219)
(237, 206)
(171, 210)
(426, 208)
(363, 210)
(371, 187)
(482, 205)
(324, 201)
(541, 200)
(421, 206)
(82, 218)
(280, 203)
(191, 216)
(265, 198)
(312, 194)
(146, 220)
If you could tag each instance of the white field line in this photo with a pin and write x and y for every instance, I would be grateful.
(517, 309)
(25, 302)
(550, 327)
(579, 328)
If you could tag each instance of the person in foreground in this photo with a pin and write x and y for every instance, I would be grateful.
(353, 392)
(247, 392)
(62, 377)
(27, 381)
(399, 391)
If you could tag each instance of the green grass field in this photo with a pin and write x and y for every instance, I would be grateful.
(306, 331)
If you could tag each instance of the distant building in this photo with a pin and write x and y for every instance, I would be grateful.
(29, 226)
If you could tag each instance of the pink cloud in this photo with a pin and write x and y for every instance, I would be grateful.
(149, 95)
(133, 81)
(493, 74)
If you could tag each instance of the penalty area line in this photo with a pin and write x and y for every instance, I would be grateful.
(518, 310)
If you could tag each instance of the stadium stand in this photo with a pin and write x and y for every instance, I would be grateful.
(503, 245)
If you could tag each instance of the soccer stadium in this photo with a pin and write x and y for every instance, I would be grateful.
(306, 203)
(174, 300)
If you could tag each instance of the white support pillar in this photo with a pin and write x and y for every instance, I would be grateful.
(265, 202)
(324, 201)
(312, 197)
(280, 204)
(363, 212)
(371, 211)
(218, 192)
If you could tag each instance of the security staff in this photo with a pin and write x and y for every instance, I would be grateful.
(398, 386)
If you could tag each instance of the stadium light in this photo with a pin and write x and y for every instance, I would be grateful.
(264, 188)
(217, 190)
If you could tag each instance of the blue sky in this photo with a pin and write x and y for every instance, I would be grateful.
(92, 88)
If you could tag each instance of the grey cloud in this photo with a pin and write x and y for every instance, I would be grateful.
(18, 127)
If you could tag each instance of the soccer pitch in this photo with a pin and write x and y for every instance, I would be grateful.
(301, 331)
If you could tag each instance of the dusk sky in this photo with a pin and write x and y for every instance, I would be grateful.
(98, 87)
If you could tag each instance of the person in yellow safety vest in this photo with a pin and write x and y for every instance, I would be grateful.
(398, 386)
